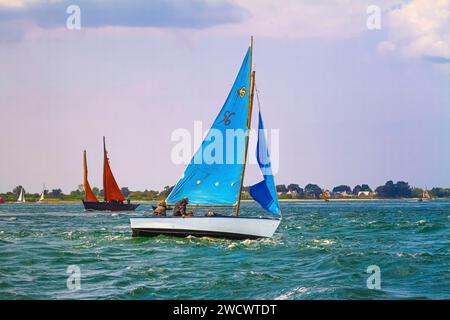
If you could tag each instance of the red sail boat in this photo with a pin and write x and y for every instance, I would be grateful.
(113, 197)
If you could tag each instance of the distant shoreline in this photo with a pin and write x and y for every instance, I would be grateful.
(53, 201)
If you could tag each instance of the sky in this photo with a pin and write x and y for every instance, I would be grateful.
(352, 105)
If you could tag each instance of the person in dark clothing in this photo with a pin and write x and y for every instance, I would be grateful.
(160, 209)
(180, 208)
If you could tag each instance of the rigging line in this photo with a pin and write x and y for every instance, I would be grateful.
(257, 98)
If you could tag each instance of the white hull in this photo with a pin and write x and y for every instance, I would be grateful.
(221, 227)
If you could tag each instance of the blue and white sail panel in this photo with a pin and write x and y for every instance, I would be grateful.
(213, 176)
(265, 192)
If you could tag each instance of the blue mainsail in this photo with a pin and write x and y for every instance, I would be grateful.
(265, 192)
(213, 176)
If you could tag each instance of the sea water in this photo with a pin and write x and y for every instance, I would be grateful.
(320, 251)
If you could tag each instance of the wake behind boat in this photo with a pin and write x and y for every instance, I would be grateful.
(113, 197)
(219, 184)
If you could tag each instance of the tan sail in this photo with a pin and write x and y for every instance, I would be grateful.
(325, 196)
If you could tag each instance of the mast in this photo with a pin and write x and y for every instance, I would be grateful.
(112, 192)
(85, 174)
(249, 121)
(84, 169)
(105, 159)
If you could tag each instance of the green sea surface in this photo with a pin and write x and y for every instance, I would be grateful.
(320, 251)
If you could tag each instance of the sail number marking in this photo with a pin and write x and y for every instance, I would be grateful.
(227, 117)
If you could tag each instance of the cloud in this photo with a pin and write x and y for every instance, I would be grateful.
(12, 32)
(305, 19)
(420, 28)
(386, 47)
(439, 60)
(294, 19)
(195, 14)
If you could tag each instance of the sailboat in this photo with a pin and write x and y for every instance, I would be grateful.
(325, 195)
(113, 197)
(42, 196)
(21, 198)
(219, 184)
(425, 196)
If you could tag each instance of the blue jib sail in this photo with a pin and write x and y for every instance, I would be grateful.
(213, 176)
(265, 192)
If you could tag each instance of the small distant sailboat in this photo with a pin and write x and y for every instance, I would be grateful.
(21, 198)
(42, 196)
(219, 185)
(113, 197)
(425, 196)
(325, 196)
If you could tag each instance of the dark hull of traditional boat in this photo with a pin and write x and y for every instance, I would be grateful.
(109, 206)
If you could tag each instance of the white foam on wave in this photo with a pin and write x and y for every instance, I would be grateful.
(406, 254)
(291, 294)
(248, 243)
(122, 227)
(325, 242)
(232, 245)
(155, 270)
(68, 233)
(115, 237)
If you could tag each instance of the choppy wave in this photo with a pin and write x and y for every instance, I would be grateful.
(320, 251)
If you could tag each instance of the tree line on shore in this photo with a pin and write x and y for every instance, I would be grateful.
(78, 194)
(389, 190)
